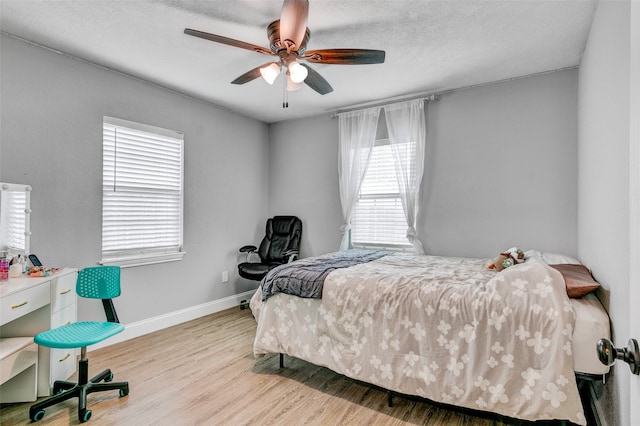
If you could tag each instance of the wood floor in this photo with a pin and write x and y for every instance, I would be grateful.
(203, 373)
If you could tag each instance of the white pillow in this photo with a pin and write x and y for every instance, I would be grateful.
(533, 254)
(556, 259)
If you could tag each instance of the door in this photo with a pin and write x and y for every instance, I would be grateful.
(634, 199)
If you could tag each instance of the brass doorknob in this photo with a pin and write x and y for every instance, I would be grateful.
(608, 354)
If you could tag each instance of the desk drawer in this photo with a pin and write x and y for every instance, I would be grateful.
(63, 291)
(64, 316)
(62, 361)
(63, 364)
(22, 302)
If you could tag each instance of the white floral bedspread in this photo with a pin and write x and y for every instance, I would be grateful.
(444, 328)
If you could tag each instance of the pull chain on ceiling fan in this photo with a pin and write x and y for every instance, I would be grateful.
(288, 38)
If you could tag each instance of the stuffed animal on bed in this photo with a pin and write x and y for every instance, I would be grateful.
(508, 258)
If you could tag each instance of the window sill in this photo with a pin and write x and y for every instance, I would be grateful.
(141, 260)
(401, 248)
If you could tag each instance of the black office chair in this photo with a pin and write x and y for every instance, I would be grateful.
(280, 245)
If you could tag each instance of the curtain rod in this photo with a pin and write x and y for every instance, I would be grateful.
(435, 96)
(425, 97)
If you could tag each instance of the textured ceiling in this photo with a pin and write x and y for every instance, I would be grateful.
(430, 46)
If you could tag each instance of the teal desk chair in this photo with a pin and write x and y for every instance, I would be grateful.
(100, 282)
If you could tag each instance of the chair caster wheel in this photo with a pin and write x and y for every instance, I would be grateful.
(57, 388)
(109, 377)
(124, 392)
(37, 416)
(84, 415)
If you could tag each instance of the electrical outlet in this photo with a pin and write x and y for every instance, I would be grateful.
(225, 276)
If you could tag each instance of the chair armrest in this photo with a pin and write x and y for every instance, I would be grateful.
(248, 249)
(292, 254)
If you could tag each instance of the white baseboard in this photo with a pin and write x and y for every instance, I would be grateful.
(160, 322)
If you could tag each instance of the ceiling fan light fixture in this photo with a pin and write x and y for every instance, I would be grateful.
(270, 72)
(297, 72)
(291, 85)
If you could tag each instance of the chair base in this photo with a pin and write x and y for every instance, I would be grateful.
(63, 390)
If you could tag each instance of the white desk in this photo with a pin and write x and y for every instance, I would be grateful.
(29, 305)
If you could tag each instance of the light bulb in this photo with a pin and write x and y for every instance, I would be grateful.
(270, 72)
(298, 72)
(291, 85)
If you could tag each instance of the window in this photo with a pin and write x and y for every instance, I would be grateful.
(378, 218)
(142, 193)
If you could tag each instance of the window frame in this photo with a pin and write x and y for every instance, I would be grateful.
(405, 246)
(137, 256)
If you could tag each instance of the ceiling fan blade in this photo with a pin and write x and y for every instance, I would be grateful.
(293, 21)
(228, 41)
(251, 75)
(345, 56)
(316, 81)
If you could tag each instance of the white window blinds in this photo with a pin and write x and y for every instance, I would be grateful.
(378, 218)
(142, 193)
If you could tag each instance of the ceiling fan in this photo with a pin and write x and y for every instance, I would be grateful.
(288, 38)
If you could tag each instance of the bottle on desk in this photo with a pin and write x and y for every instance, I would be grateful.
(4, 269)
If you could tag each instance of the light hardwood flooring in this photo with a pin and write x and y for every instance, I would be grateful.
(203, 373)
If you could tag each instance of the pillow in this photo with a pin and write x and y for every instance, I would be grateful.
(534, 254)
(556, 259)
(577, 279)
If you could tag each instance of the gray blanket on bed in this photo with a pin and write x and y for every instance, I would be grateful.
(305, 277)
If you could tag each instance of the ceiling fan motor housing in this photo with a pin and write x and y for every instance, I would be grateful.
(276, 45)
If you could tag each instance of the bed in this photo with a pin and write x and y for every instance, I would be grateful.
(443, 328)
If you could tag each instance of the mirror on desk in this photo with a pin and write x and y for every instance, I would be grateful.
(15, 212)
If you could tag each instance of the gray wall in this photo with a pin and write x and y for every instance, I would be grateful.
(51, 138)
(303, 160)
(603, 222)
(500, 170)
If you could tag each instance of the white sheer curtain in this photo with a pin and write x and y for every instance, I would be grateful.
(406, 125)
(357, 136)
